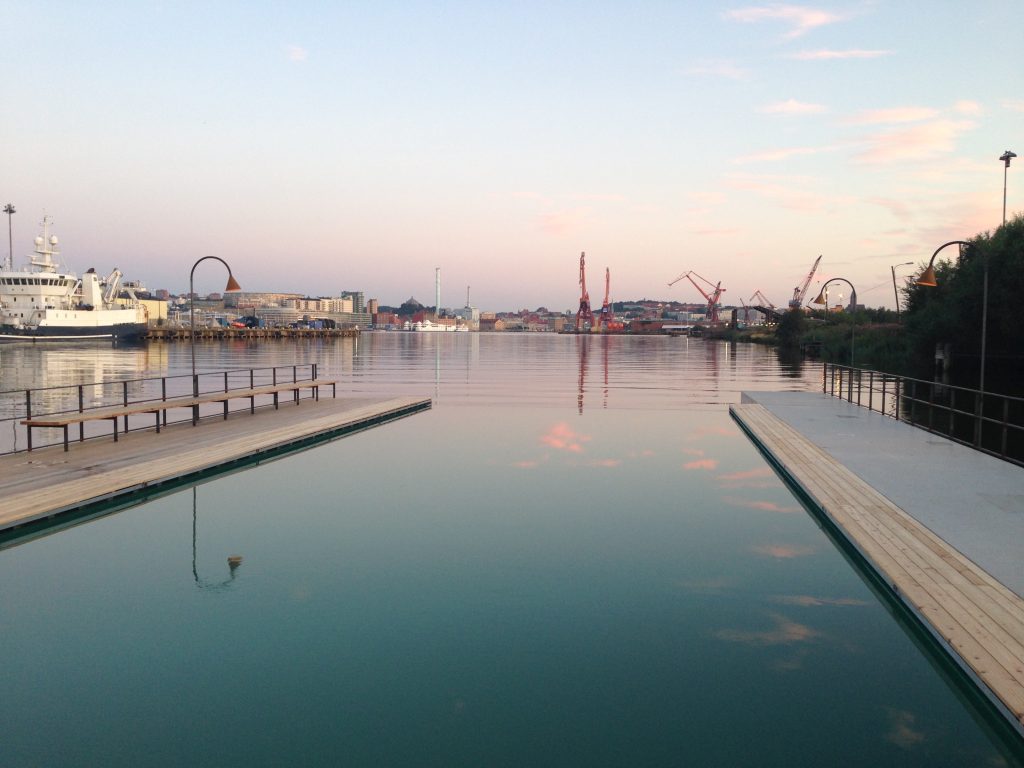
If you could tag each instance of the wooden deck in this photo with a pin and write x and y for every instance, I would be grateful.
(47, 482)
(978, 620)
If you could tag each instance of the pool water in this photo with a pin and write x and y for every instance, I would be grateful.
(574, 558)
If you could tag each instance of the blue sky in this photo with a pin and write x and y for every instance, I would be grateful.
(321, 147)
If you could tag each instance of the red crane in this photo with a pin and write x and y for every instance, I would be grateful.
(712, 298)
(583, 314)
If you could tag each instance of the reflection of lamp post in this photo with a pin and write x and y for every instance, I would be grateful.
(9, 209)
(1006, 157)
(231, 287)
(233, 560)
(823, 299)
(894, 291)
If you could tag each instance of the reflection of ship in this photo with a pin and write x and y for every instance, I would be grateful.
(426, 325)
(44, 303)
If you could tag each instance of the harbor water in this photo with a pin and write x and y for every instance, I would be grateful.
(574, 558)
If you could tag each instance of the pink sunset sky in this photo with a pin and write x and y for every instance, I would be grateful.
(328, 147)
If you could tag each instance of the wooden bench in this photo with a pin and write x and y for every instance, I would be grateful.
(160, 407)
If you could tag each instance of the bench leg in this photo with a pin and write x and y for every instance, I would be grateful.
(65, 438)
(115, 428)
(158, 421)
(252, 404)
(275, 401)
(225, 410)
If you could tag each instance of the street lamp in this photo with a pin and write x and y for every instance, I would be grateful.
(232, 286)
(927, 280)
(9, 209)
(823, 299)
(1006, 157)
(895, 292)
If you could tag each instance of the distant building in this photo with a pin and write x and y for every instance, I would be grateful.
(356, 297)
(371, 306)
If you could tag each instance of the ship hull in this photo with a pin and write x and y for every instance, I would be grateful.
(118, 331)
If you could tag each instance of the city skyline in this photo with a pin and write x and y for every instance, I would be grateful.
(324, 148)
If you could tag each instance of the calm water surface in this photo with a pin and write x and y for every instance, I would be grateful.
(574, 558)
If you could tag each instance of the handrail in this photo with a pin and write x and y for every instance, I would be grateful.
(989, 422)
(19, 404)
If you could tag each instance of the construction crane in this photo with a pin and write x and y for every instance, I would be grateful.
(801, 290)
(762, 298)
(606, 308)
(717, 290)
(583, 314)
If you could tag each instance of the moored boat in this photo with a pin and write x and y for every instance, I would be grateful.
(45, 302)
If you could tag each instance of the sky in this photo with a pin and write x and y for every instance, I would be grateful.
(319, 147)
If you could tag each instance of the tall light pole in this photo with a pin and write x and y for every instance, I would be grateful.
(9, 209)
(895, 292)
(231, 286)
(1006, 157)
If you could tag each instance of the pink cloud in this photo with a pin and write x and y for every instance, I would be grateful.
(564, 222)
(783, 153)
(801, 18)
(893, 115)
(792, 107)
(824, 55)
(901, 729)
(701, 464)
(810, 601)
(719, 68)
(562, 437)
(528, 464)
(607, 463)
(921, 142)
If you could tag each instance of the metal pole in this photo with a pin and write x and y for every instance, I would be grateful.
(895, 292)
(9, 209)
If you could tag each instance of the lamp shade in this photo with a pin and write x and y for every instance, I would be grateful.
(232, 284)
(927, 278)
(821, 298)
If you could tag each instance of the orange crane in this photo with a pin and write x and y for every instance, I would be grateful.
(801, 290)
(583, 314)
(712, 298)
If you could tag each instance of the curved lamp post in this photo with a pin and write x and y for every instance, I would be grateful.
(232, 286)
(896, 293)
(823, 299)
(927, 279)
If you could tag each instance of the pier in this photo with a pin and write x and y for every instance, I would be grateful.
(48, 483)
(938, 524)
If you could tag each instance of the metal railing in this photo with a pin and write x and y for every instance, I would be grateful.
(19, 404)
(989, 422)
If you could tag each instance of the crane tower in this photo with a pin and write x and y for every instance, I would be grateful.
(583, 314)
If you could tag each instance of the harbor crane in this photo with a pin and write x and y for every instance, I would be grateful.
(801, 290)
(606, 308)
(762, 298)
(712, 298)
(583, 314)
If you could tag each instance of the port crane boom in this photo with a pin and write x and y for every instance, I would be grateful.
(712, 298)
(583, 314)
(762, 298)
(801, 290)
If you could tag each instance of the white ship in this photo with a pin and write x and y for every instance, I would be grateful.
(45, 303)
(430, 327)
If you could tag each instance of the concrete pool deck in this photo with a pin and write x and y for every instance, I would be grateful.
(940, 523)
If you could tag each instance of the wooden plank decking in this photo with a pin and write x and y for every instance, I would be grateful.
(979, 621)
(48, 481)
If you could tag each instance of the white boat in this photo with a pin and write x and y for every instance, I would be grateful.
(44, 302)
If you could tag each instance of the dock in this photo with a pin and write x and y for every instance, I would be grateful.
(176, 333)
(46, 485)
(938, 523)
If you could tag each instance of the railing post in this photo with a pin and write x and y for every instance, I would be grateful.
(295, 373)
(952, 411)
(28, 415)
(1006, 420)
(163, 395)
(124, 398)
(871, 390)
(81, 407)
(824, 377)
(979, 417)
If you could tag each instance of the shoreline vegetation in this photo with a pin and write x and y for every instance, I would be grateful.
(940, 328)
